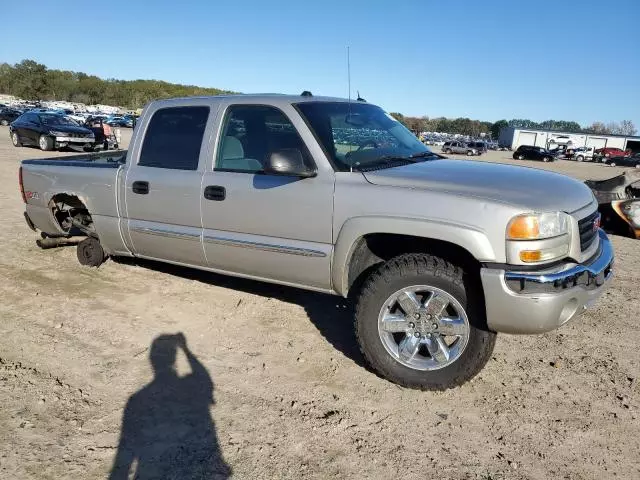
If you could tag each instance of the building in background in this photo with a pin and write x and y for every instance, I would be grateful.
(514, 137)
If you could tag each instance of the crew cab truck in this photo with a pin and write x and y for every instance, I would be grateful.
(438, 254)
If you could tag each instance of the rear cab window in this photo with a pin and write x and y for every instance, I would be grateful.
(174, 138)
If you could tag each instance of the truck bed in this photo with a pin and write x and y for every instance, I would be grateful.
(108, 159)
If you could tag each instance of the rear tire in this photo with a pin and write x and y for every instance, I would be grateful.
(45, 143)
(520, 157)
(546, 159)
(612, 164)
(4, 123)
(15, 139)
(469, 153)
(448, 150)
(421, 271)
(90, 253)
(579, 158)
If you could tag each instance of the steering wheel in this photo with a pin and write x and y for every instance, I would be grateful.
(368, 142)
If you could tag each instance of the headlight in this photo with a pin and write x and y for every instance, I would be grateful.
(538, 226)
(55, 133)
(538, 238)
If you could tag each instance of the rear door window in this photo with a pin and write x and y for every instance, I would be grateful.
(174, 137)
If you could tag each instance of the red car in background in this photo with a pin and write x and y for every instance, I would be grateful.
(612, 152)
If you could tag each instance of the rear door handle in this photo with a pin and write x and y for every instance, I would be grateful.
(215, 192)
(141, 188)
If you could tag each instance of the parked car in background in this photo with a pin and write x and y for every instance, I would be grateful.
(624, 160)
(610, 152)
(124, 121)
(561, 151)
(583, 154)
(8, 115)
(529, 152)
(49, 131)
(560, 140)
(481, 147)
(79, 119)
(459, 147)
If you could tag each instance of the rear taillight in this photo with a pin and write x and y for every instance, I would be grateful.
(24, 198)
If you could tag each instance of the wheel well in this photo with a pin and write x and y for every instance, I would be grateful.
(373, 249)
(71, 214)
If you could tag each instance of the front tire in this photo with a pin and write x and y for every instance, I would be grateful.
(15, 139)
(612, 164)
(546, 159)
(4, 122)
(45, 143)
(90, 253)
(520, 157)
(419, 326)
(580, 158)
(469, 153)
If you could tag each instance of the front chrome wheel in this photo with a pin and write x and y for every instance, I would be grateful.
(423, 327)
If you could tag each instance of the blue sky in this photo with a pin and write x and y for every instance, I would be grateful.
(562, 59)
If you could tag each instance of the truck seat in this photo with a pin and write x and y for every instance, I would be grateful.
(232, 157)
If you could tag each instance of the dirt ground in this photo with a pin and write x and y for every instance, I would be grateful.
(292, 398)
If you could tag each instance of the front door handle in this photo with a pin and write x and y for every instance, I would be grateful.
(215, 192)
(141, 188)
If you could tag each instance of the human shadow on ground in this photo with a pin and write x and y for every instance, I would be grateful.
(331, 315)
(167, 430)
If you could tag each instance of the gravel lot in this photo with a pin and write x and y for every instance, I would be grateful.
(292, 398)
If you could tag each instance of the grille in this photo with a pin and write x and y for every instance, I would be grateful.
(588, 234)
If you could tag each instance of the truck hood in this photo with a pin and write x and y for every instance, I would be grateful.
(527, 188)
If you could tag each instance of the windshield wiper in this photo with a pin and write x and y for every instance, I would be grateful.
(423, 155)
(389, 161)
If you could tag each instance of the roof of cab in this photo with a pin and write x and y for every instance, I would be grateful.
(268, 98)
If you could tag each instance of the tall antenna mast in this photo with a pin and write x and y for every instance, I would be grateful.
(349, 94)
(349, 73)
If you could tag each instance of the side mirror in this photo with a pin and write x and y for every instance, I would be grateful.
(289, 162)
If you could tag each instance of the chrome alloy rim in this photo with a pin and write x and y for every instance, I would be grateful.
(423, 327)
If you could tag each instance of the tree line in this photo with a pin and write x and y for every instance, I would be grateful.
(33, 81)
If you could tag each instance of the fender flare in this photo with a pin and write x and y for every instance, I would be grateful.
(468, 237)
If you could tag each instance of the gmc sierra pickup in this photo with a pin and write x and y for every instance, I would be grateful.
(336, 196)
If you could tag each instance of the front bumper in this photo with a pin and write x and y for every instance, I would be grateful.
(75, 140)
(536, 302)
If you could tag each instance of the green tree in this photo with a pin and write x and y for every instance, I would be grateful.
(30, 80)
(399, 117)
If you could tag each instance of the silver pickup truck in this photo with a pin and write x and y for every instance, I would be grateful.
(336, 196)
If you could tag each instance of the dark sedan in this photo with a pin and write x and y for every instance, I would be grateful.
(49, 131)
(528, 152)
(8, 115)
(632, 160)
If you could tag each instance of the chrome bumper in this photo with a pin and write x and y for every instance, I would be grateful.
(536, 302)
(75, 140)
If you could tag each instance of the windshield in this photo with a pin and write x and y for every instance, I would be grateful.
(357, 135)
(57, 120)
